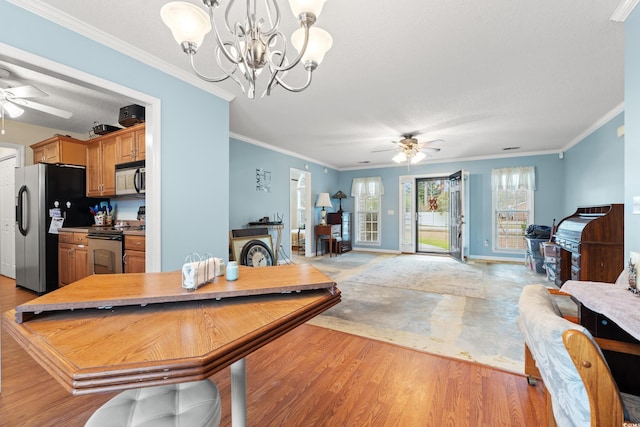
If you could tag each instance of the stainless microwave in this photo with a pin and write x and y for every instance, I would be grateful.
(130, 178)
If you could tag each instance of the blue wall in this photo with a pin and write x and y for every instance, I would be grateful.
(194, 124)
(246, 204)
(594, 168)
(548, 196)
(632, 129)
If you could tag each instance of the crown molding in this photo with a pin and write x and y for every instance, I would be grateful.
(278, 149)
(69, 22)
(623, 10)
(597, 125)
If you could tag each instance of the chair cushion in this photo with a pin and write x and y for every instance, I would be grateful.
(542, 326)
(631, 405)
(192, 404)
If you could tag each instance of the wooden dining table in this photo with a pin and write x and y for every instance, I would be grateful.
(120, 331)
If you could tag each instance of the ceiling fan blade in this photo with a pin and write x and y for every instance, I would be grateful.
(24, 92)
(430, 149)
(44, 108)
(12, 110)
(434, 141)
(381, 151)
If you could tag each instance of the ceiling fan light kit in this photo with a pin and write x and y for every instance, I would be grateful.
(256, 43)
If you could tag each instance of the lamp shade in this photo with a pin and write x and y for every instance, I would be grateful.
(324, 201)
(400, 157)
(319, 43)
(339, 195)
(187, 22)
(299, 7)
(419, 156)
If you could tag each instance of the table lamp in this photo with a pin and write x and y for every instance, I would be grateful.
(324, 201)
(339, 195)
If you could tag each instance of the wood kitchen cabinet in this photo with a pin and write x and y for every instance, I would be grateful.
(134, 254)
(60, 149)
(101, 166)
(131, 144)
(73, 257)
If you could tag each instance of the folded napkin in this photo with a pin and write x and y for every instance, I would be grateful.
(197, 273)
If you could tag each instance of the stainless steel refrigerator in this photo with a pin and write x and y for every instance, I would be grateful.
(44, 191)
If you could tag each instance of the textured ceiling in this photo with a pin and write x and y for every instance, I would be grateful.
(482, 76)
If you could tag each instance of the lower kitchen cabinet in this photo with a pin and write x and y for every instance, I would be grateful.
(134, 254)
(73, 258)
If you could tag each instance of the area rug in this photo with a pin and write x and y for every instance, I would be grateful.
(378, 305)
(434, 274)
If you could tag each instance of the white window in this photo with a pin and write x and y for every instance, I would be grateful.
(512, 207)
(367, 193)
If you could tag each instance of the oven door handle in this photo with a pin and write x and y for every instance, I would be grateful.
(105, 237)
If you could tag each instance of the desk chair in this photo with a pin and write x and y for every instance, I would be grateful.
(193, 404)
(580, 388)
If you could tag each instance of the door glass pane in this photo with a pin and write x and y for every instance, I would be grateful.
(406, 214)
(433, 214)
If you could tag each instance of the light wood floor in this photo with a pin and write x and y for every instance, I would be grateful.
(310, 377)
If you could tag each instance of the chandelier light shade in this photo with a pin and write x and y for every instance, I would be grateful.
(252, 45)
(411, 154)
(324, 201)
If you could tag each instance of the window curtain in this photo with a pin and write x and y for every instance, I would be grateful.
(371, 186)
(520, 178)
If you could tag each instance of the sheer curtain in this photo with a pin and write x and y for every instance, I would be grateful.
(371, 186)
(518, 178)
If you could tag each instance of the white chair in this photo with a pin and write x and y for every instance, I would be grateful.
(193, 404)
(580, 388)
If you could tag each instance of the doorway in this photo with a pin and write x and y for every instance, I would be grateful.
(8, 164)
(432, 206)
(300, 210)
(432, 214)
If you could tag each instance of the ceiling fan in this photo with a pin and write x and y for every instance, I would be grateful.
(410, 149)
(13, 98)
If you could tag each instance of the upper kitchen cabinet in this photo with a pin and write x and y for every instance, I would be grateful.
(60, 149)
(131, 144)
(101, 158)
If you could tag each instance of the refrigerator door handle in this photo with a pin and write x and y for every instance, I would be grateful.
(24, 228)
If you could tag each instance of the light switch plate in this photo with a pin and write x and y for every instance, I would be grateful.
(636, 205)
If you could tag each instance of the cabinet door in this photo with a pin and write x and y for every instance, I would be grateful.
(52, 153)
(38, 155)
(134, 262)
(109, 153)
(65, 264)
(81, 262)
(141, 150)
(94, 169)
(126, 147)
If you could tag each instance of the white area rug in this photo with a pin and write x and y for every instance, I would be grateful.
(440, 275)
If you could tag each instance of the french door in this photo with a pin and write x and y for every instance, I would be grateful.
(432, 214)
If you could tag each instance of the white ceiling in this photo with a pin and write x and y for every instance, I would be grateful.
(483, 76)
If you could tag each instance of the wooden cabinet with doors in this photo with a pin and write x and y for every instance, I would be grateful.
(134, 254)
(73, 257)
(60, 149)
(131, 144)
(101, 167)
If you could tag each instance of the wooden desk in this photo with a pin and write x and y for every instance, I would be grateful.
(130, 346)
(611, 312)
(327, 231)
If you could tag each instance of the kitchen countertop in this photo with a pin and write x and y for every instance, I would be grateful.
(86, 229)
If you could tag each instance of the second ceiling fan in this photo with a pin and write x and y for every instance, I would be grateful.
(410, 149)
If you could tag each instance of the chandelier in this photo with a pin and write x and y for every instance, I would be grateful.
(253, 45)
